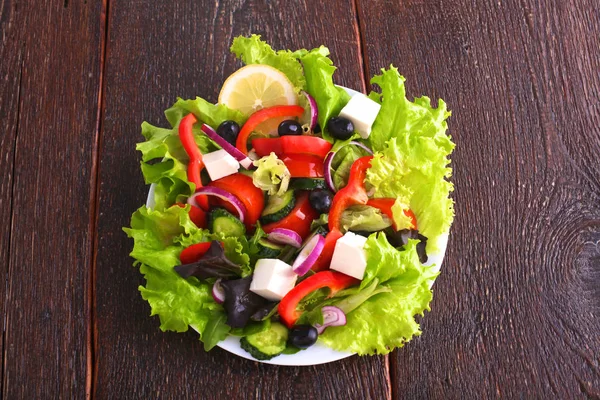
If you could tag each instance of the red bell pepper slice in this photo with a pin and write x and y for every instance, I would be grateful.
(385, 206)
(298, 220)
(333, 280)
(197, 215)
(287, 145)
(353, 193)
(252, 198)
(196, 164)
(304, 165)
(261, 116)
(326, 255)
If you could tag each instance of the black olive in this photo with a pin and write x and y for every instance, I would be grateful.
(340, 128)
(317, 128)
(303, 336)
(229, 130)
(289, 127)
(320, 200)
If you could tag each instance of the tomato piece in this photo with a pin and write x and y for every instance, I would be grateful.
(261, 116)
(292, 145)
(194, 252)
(197, 215)
(385, 206)
(252, 198)
(304, 165)
(298, 220)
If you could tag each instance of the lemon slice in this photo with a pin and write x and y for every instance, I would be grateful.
(257, 86)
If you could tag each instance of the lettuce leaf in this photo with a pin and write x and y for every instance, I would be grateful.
(252, 50)
(364, 218)
(271, 175)
(159, 237)
(412, 146)
(402, 293)
(206, 112)
(330, 99)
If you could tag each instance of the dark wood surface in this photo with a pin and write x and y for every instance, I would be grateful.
(516, 311)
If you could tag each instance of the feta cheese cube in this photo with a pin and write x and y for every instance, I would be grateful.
(362, 111)
(349, 256)
(220, 164)
(272, 279)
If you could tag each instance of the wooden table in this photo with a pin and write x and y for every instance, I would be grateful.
(516, 312)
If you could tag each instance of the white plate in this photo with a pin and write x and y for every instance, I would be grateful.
(318, 353)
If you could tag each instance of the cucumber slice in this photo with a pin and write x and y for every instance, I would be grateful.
(278, 207)
(267, 344)
(268, 249)
(308, 184)
(222, 221)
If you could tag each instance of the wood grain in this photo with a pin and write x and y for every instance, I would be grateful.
(154, 55)
(48, 97)
(516, 312)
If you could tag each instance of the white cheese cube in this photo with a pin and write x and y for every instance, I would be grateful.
(220, 164)
(349, 256)
(362, 111)
(272, 279)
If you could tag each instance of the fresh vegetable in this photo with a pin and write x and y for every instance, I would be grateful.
(304, 165)
(309, 255)
(218, 293)
(241, 186)
(354, 192)
(268, 249)
(289, 128)
(229, 130)
(197, 215)
(271, 175)
(340, 128)
(406, 219)
(303, 336)
(332, 316)
(299, 219)
(364, 218)
(313, 112)
(324, 259)
(213, 264)
(240, 302)
(278, 207)
(194, 252)
(344, 155)
(287, 145)
(221, 194)
(320, 200)
(285, 236)
(307, 184)
(195, 163)
(267, 344)
(225, 145)
(262, 116)
(332, 280)
(220, 221)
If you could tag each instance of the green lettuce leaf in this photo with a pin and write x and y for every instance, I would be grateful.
(364, 218)
(403, 292)
(330, 99)
(412, 147)
(252, 50)
(178, 302)
(206, 112)
(271, 175)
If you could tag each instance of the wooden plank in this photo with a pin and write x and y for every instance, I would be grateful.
(154, 55)
(515, 313)
(50, 66)
(10, 73)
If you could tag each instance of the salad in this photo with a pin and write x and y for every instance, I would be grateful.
(292, 211)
